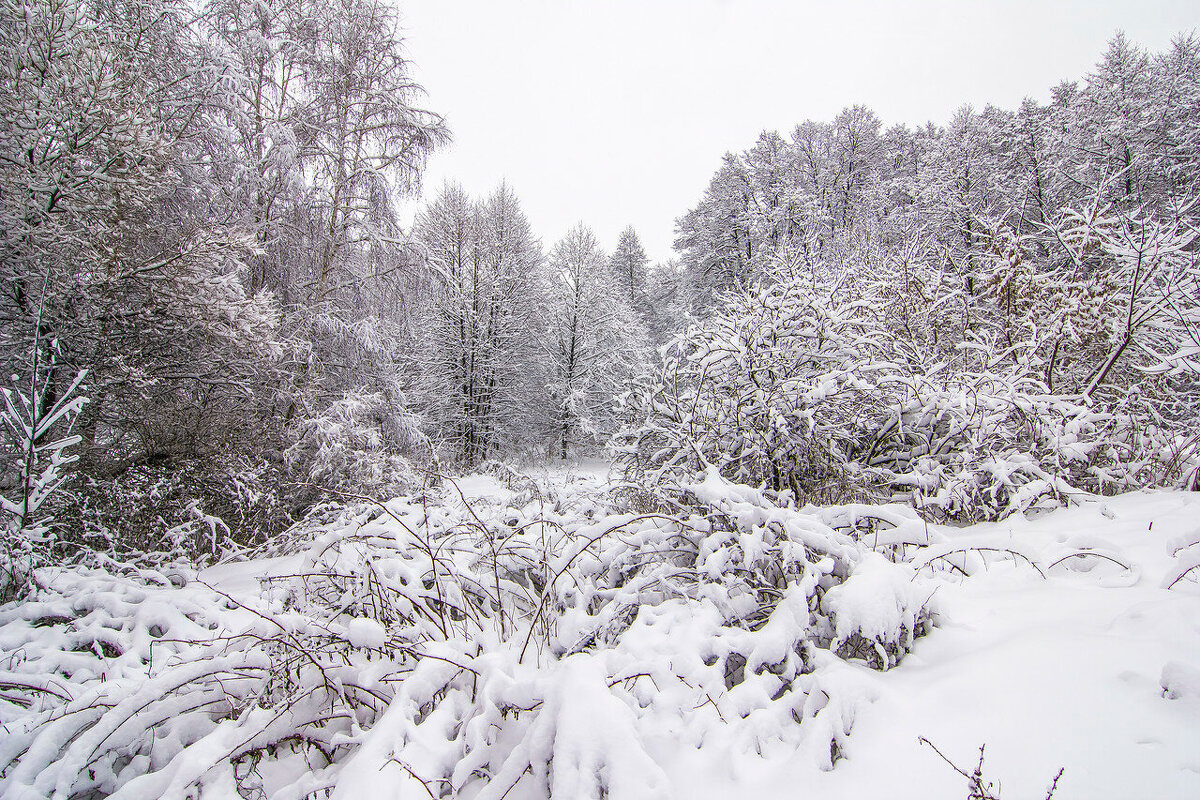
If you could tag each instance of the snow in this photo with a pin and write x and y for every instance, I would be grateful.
(583, 738)
(366, 633)
(1102, 680)
(1180, 680)
(880, 599)
(801, 650)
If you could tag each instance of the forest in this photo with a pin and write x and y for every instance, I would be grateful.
(291, 491)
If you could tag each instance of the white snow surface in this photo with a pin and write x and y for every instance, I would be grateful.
(1091, 669)
(1067, 641)
(362, 632)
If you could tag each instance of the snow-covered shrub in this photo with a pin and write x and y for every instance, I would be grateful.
(202, 689)
(877, 612)
(735, 618)
(744, 553)
(118, 673)
(982, 446)
(1149, 259)
(460, 648)
(188, 510)
(787, 389)
(782, 388)
(978, 785)
(357, 444)
(721, 623)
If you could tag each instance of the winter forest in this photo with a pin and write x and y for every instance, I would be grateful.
(887, 482)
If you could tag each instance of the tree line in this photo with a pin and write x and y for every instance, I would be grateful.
(200, 236)
(980, 318)
(200, 214)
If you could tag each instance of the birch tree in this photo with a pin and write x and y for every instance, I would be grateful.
(366, 135)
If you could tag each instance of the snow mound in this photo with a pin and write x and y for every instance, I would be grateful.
(880, 606)
(366, 633)
(1180, 680)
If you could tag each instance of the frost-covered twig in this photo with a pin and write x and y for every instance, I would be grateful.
(978, 787)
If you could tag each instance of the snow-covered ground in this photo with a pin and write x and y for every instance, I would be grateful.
(1064, 648)
(1062, 672)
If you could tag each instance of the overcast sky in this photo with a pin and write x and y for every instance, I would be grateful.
(617, 113)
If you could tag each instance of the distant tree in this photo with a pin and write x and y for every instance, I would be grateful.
(857, 152)
(714, 238)
(481, 374)
(595, 341)
(1115, 108)
(1176, 120)
(628, 266)
(812, 186)
(670, 301)
(956, 189)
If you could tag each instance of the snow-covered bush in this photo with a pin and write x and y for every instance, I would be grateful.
(186, 510)
(818, 395)
(982, 446)
(202, 689)
(357, 444)
(783, 388)
(461, 648)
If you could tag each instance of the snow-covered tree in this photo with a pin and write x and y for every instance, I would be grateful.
(1051, 246)
(140, 287)
(714, 238)
(628, 264)
(481, 374)
(594, 339)
(366, 134)
(261, 48)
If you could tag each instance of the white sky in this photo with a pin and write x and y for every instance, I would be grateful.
(616, 113)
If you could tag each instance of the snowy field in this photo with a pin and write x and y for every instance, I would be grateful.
(1054, 641)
